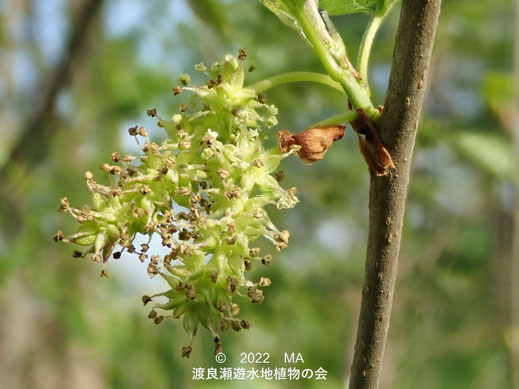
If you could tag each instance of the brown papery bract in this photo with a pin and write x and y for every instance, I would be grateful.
(371, 147)
(313, 142)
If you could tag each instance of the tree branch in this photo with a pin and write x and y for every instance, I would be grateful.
(397, 128)
(34, 138)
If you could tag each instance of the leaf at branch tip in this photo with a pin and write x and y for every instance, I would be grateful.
(313, 142)
(282, 12)
(344, 7)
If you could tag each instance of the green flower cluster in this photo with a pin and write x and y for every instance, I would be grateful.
(204, 190)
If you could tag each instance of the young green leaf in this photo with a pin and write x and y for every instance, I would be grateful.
(282, 12)
(344, 7)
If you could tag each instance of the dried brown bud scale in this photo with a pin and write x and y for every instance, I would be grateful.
(313, 142)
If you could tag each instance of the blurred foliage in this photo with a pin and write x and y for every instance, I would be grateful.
(63, 326)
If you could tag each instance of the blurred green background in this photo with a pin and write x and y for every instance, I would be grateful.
(75, 74)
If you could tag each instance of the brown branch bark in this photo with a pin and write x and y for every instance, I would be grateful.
(397, 128)
(32, 143)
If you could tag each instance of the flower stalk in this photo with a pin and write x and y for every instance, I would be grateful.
(284, 78)
(333, 57)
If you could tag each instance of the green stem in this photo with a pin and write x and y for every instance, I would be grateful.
(344, 117)
(367, 41)
(285, 78)
(357, 93)
(365, 46)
